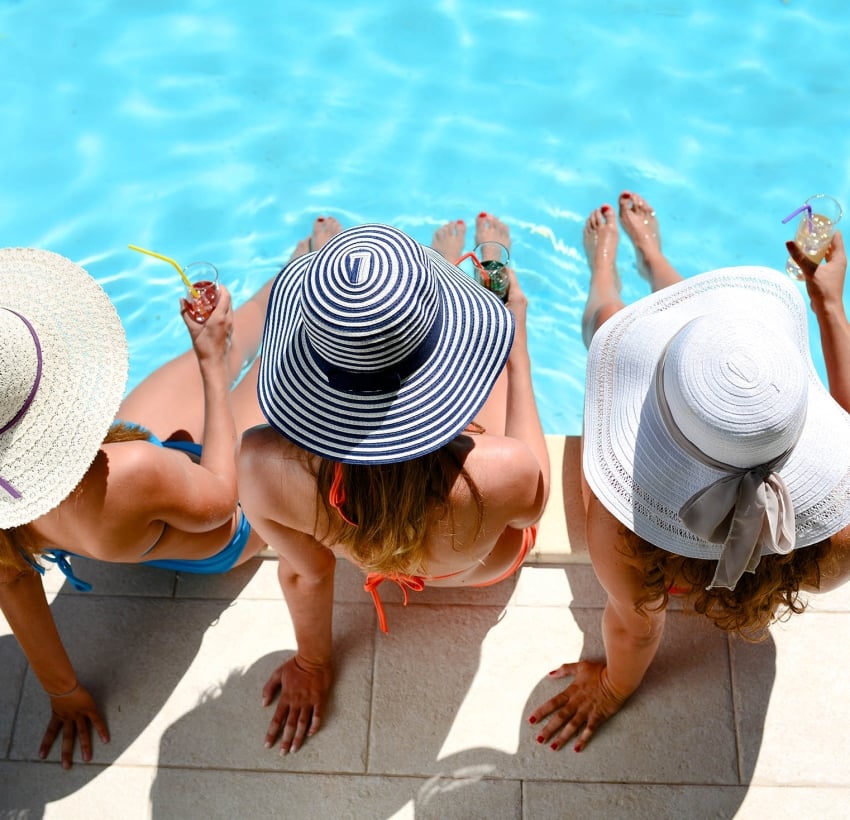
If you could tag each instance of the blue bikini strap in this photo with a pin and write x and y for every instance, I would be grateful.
(60, 558)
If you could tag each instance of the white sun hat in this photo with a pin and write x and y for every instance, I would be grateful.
(378, 350)
(63, 369)
(707, 431)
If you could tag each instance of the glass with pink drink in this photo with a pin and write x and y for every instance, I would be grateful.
(202, 294)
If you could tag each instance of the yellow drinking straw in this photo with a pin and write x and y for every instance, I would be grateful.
(170, 261)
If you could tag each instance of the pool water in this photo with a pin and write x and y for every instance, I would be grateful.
(219, 131)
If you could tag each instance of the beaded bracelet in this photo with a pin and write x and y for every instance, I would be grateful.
(65, 694)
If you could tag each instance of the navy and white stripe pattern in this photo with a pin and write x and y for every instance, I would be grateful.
(377, 350)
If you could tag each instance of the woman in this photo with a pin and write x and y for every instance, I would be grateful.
(716, 466)
(74, 481)
(402, 435)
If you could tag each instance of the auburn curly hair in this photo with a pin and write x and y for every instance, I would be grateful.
(769, 594)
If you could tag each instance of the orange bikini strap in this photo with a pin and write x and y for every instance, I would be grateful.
(407, 582)
(336, 496)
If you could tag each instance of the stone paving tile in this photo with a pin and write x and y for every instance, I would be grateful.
(803, 672)
(180, 682)
(619, 801)
(573, 585)
(180, 793)
(111, 579)
(255, 580)
(227, 726)
(13, 667)
(462, 683)
(85, 792)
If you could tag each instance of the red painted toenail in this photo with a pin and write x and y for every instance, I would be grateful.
(482, 214)
(320, 219)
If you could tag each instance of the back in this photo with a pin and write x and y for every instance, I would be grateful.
(493, 485)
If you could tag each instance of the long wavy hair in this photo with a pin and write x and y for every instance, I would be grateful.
(769, 594)
(19, 548)
(390, 506)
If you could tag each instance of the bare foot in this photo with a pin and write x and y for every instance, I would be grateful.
(449, 240)
(324, 228)
(601, 237)
(489, 228)
(638, 220)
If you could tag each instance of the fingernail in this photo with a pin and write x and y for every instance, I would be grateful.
(553, 671)
(267, 745)
(578, 747)
(532, 720)
(554, 747)
(539, 738)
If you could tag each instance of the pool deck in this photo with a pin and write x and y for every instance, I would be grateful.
(429, 721)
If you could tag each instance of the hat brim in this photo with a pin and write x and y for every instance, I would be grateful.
(84, 373)
(432, 406)
(630, 460)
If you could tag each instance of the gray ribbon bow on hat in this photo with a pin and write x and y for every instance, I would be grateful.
(744, 511)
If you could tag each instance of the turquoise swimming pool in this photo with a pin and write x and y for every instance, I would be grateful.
(220, 132)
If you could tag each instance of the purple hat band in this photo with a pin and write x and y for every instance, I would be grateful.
(29, 399)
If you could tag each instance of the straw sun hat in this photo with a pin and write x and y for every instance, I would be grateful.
(377, 350)
(707, 431)
(63, 368)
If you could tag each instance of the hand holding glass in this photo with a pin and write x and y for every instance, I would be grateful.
(490, 260)
(819, 216)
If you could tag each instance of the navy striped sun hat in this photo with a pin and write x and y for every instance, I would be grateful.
(377, 350)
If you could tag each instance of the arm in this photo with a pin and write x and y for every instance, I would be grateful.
(25, 607)
(146, 484)
(599, 690)
(522, 421)
(825, 285)
(306, 576)
(211, 342)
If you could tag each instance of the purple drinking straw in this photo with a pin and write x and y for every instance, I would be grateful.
(800, 210)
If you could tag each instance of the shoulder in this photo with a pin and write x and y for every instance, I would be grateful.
(264, 453)
(274, 475)
(139, 465)
(260, 436)
(508, 475)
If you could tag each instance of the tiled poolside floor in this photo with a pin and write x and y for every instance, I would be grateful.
(429, 721)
